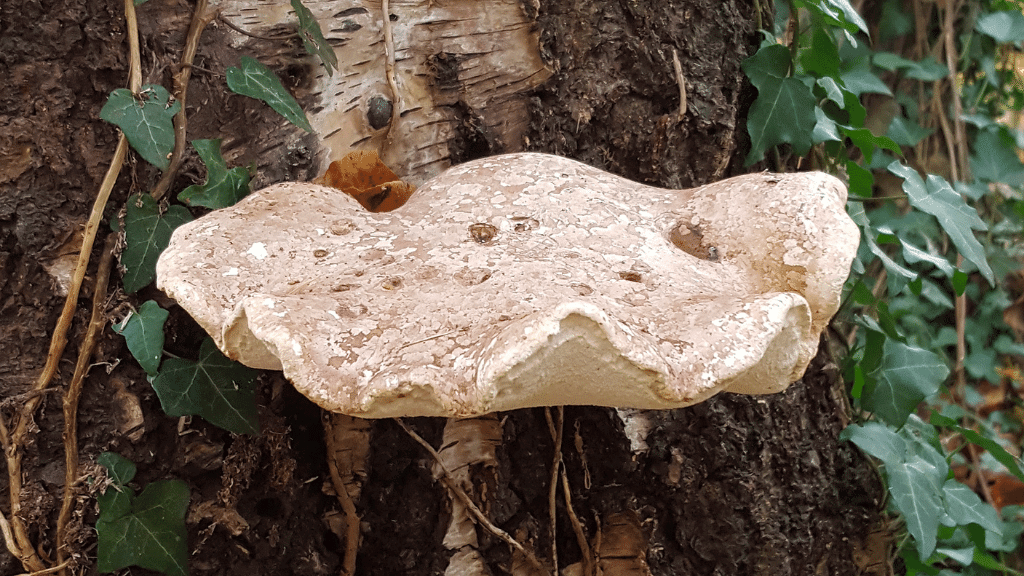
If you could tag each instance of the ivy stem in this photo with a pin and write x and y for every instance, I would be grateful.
(793, 30)
(200, 18)
(96, 324)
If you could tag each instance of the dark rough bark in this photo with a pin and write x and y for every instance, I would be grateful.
(615, 97)
(737, 485)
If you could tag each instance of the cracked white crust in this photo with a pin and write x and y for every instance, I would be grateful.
(577, 295)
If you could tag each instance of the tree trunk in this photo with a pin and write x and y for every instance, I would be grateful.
(736, 485)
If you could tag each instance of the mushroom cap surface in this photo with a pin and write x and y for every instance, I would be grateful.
(521, 280)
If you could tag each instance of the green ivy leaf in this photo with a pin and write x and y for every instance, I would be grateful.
(959, 281)
(223, 187)
(147, 121)
(913, 254)
(143, 331)
(255, 80)
(898, 275)
(119, 469)
(218, 389)
(991, 446)
(845, 99)
(877, 440)
(916, 471)
(1009, 538)
(954, 215)
(889, 61)
(839, 13)
(821, 58)
(963, 555)
(867, 142)
(313, 37)
(784, 109)
(861, 80)
(905, 132)
(927, 70)
(916, 490)
(965, 507)
(861, 179)
(825, 129)
(1003, 26)
(147, 233)
(150, 533)
(995, 160)
(906, 376)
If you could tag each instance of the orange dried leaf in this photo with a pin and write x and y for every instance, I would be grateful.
(362, 175)
(1006, 490)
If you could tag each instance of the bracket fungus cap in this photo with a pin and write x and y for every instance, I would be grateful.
(521, 280)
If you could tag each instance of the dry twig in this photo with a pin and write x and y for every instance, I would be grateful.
(555, 427)
(446, 478)
(341, 488)
(682, 84)
(389, 66)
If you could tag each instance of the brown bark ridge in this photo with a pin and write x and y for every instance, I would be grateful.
(736, 485)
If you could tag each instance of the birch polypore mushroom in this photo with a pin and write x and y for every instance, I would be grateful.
(521, 280)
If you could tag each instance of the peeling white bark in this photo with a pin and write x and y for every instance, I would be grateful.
(482, 55)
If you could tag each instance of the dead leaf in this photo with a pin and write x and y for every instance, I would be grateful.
(362, 175)
(1006, 490)
(224, 516)
(1013, 315)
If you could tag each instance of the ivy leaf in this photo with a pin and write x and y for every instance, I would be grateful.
(867, 142)
(965, 507)
(890, 61)
(771, 61)
(954, 215)
(861, 80)
(313, 37)
(147, 121)
(223, 187)
(255, 80)
(913, 254)
(119, 469)
(877, 440)
(905, 132)
(143, 331)
(995, 160)
(825, 130)
(861, 179)
(840, 13)
(906, 376)
(845, 99)
(898, 275)
(149, 532)
(916, 471)
(147, 233)
(220, 390)
(991, 446)
(822, 57)
(927, 70)
(784, 109)
(1003, 26)
(916, 489)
